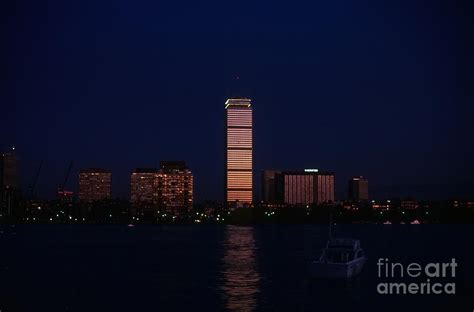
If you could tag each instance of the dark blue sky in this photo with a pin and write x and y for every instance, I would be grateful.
(374, 88)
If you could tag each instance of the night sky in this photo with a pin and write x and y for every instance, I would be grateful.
(382, 89)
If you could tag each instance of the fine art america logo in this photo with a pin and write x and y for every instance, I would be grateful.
(415, 278)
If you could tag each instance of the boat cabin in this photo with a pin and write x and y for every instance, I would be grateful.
(342, 250)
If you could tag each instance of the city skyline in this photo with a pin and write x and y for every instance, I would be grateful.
(304, 186)
(236, 155)
(349, 87)
(235, 163)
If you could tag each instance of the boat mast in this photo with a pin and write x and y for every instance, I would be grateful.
(330, 225)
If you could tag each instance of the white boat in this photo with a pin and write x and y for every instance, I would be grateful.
(341, 259)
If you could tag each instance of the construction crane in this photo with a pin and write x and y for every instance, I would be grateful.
(32, 186)
(62, 193)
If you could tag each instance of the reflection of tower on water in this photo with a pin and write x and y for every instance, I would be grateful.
(240, 276)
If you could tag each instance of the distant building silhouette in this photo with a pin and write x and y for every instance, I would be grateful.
(304, 187)
(408, 203)
(172, 166)
(9, 170)
(269, 193)
(238, 182)
(94, 184)
(169, 188)
(9, 186)
(358, 189)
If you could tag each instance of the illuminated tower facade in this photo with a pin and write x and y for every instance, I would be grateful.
(175, 187)
(238, 182)
(143, 187)
(94, 184)
(304, 187)
(169, 188)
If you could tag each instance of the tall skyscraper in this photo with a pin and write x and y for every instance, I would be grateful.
(94, 184)
(169, 188)
(358, 188)
(304, 187)
(238, 183)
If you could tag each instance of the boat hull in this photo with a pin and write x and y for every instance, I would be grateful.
(333, 270)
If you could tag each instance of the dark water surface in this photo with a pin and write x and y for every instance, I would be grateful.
(217, 268)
